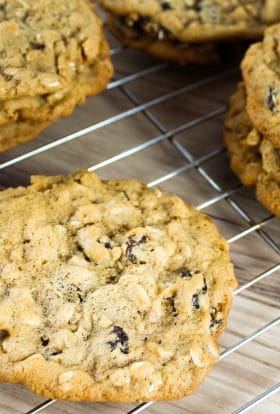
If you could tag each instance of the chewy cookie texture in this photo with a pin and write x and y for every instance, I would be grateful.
(261, 72)
(109, 291)
(187, 31)
(52, 55)
(252, 133)
(253, 158)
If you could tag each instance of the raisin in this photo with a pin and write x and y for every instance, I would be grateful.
(214, 311)
(173, 307)
(44, 340)
(271, 98)
(132, 258)
(112, 279)
(185, 273)
(126, 196)
(80, 249)
(122, 336)
(215, 325)
(3, 335)
(113, 345)
(166, 6)
(203, 291)
(205, 288)
(37, 46)
(54, 353)
(121, 341)
(130, 245)
(107, 245)
(150, 27)
(195, 301)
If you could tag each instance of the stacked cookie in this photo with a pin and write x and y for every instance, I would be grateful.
(52, 55)
(252, 128)
(109, 291)
(187, 31)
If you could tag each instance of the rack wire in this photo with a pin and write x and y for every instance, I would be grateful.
(191, 163)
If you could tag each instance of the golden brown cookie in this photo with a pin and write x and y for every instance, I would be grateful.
(52, 55)
(109, 291)
(181, 53)
(178, 29)
(43, 43)
(196, 20)
(261, 70)
(29, 123)
(268, 185)
(253, 158)
(16, 133)
(242, 140)
(268, 192)
(89, 80)
(37, 113)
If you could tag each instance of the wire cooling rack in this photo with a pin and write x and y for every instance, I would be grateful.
(191, 164)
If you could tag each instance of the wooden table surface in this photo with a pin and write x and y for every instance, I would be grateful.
(255, 366)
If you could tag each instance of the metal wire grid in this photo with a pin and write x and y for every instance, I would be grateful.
(191, 163)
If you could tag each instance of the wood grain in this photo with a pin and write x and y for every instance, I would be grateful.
(253, 368)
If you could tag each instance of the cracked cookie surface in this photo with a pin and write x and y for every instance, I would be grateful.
(52, 56)
(109, 291)
(253, 158)
(43, 43)
(23, 118)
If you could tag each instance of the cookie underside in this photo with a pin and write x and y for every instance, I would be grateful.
(167, 49)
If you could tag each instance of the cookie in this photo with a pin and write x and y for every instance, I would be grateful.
(44, 43)
(261, 71)
(19, 132)
(242, 140)
(52, 58)
(26, 117)
(90, 80)
(252, 156)
(268, 184)
(178, 52)
(109, 290)
(196, 20)
(268, 192)
(170, 28)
